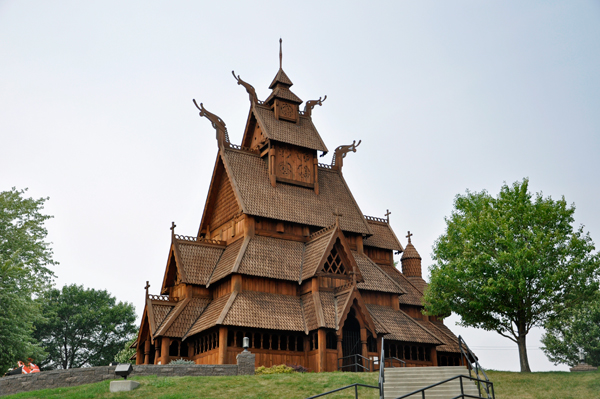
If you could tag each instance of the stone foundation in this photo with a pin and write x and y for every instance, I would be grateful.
(73, 377)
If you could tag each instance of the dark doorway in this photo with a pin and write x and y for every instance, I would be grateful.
(351, 346)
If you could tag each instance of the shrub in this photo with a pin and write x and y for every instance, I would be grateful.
(279, 369)
(298, 368)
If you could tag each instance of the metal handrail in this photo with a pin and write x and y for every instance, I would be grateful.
(470, 358)
(346, 387)
(462, 389)
(381, 369)
(356, 363)
(399, 360)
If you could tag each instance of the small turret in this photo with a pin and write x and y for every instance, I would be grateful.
(411, 260)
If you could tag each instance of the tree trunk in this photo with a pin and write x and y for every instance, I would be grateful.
(521, 342)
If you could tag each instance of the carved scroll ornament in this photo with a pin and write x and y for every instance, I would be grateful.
(310, 104)
(249, 88)
(217, 123)
(340, 153)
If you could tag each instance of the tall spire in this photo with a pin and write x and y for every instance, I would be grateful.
(280, 54)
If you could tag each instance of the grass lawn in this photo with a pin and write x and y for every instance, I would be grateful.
(508, 385)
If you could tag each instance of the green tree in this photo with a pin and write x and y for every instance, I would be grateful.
(510, 263)
(126, 352)
(82, 327)
(17, 314)
(573, 330)
(22, 235)
(24, 273)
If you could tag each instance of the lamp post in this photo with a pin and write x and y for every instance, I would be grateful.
(581, 355)
(246, 343)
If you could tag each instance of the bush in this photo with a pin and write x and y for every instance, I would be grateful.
(182, 361)
(298, 368)
(279, 369)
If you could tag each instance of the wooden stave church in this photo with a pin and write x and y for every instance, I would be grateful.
(285, 257)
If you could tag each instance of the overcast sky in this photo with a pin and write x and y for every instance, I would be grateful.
(96, 113)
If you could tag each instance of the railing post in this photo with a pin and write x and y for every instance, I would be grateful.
(356, 392)
(462, 390)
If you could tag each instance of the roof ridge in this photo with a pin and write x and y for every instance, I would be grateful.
(321, 232)
(198, 240)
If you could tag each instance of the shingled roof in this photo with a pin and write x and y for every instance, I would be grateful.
(197, 261)
(160, 310)
(401, 326)
(303, 134)
(258, 310)
(290, 202)
(383, 237)
(444, 334)
(181, 317)
(412, 295)
(210, 316)
(375, 279)
(273, 258)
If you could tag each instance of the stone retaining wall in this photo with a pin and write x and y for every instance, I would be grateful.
(73, 377)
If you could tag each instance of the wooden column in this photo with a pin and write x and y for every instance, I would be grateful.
(339, 349)
(433, 355)
(322, 357)
(363, 342)
(156, 351)
(165, 342)
(139, 358)
(222, 345)
(147, 352)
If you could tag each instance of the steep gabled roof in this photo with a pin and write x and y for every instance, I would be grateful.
(197, 260)
(375, 279)
(402, 327)
(229, 260)
(290, 202)
(383, 237)
(412, 295)
(181, 317)
(211, 315)
(320, 246)
(272, 258)
(302, 134)
(444, 334)
(263, 310)
(281, 78)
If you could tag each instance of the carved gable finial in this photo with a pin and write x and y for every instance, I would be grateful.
(217, 123)
(340, 153)
(249, 88)
(310, 104)
(337, 215)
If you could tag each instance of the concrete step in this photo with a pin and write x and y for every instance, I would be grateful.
(403, 380)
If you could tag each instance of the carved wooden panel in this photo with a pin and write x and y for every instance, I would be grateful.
(286, 111)
(293, 164)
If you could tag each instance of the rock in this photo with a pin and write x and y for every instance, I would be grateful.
(123, 385)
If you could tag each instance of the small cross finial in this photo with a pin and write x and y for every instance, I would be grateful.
(147, 286)
(337, 215)
(387, 214)
(408, 236)
(280, 54)
(172, 228)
